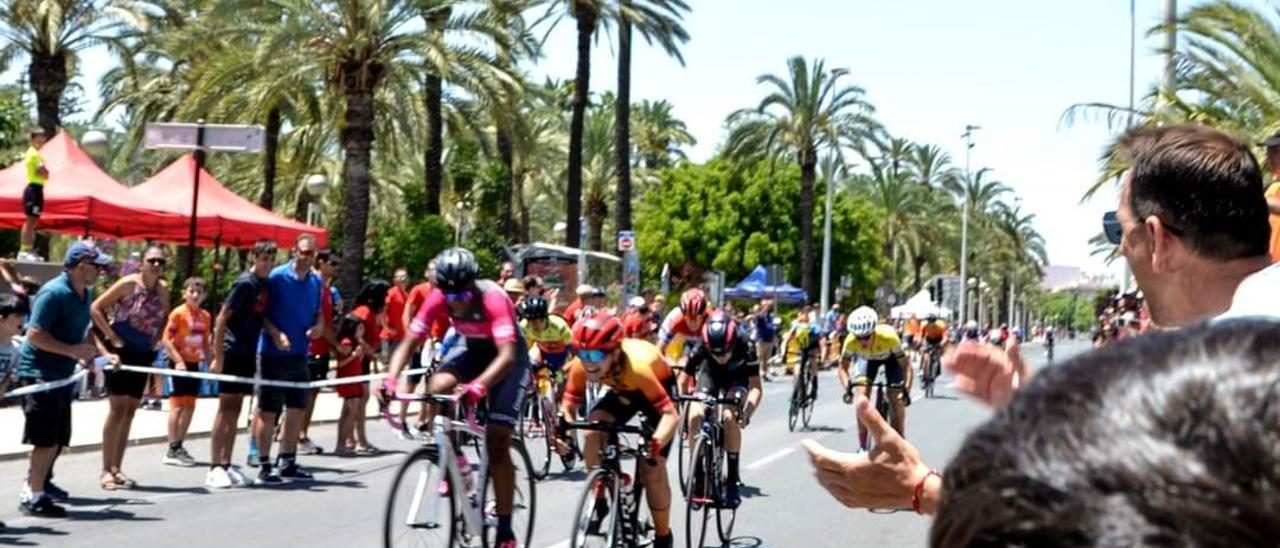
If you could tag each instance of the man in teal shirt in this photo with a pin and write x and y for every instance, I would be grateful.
(57, 340)
(33, 195)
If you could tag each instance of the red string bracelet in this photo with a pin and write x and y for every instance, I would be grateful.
(915, 493)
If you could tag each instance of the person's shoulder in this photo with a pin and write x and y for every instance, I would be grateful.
(1256, 295)
(557, 322)
(640, 351)
(887, 333)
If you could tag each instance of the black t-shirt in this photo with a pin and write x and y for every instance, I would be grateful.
(248, 305)
(742, 360)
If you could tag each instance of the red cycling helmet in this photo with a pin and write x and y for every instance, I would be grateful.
(599, 331)
(719, 332)
(693, 303)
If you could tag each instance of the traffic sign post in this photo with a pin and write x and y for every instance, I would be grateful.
(199, 137)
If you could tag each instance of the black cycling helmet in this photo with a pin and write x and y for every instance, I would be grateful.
(533, 308)
(719, 332)
(456, 270)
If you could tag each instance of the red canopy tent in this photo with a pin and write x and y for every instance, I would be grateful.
(223, 217)
(80, 198)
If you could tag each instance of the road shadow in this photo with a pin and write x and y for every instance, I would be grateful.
(162, 489)
(822, 428)
(109, 501)
(15, 536)
(318, 486)
(577, 474)
(110, 514)
(750, 492)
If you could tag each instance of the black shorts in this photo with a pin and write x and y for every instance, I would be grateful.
(273, 399)
(184, 386)
(468, 358)
(624, 407)
(48, 416)
(240, 366)
(33, 200)
(893, 373)
(129, 383)
(318, 364)
(717, 382)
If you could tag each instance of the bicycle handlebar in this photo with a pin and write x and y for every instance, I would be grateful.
(705, 399)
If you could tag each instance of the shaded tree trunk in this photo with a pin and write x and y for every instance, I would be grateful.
(808, 175)
(357, 144)
(433, 156)
(597, 211)
(300, 205)
(270, 151)
(622, 126)
(522, 207)
(586, 17)
(506, 221)
(917, 263)
(47, 74)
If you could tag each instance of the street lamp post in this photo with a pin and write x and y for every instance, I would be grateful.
(964, 214)
(826, 239)
(317, 185)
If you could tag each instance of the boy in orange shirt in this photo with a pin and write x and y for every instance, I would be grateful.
(186, 341)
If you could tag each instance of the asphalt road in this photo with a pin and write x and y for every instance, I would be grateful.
(783, 505)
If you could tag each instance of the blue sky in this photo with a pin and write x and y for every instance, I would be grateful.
(929, 66)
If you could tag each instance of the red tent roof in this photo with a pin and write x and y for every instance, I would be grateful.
(223, 217)
(80, 198)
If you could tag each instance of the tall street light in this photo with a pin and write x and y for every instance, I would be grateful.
(825, 300)
(964, 214)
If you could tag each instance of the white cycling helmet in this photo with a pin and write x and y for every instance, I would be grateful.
(862, 321)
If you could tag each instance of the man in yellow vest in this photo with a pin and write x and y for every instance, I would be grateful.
(33, 195)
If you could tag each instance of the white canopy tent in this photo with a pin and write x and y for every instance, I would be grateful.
(920, 305)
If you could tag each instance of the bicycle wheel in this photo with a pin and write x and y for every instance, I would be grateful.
(702, 493)
(797, 400)
(725, 517)
(523, 504)
(596, 519)
(417, 514)
(810, 401)
(534, 431)
(681, 447)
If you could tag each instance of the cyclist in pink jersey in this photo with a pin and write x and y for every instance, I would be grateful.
(491, 359)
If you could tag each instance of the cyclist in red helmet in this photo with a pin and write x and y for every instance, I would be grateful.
(681, 324)
(725, 365)
(639, 382)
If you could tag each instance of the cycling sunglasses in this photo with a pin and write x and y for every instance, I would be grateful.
(459, 297)
(1111, 228)
(592, 355)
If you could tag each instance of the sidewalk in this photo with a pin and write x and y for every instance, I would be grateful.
(148, 426)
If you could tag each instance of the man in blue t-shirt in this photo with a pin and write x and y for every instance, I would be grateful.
(57, 340)
(293, 319)
(235, 352)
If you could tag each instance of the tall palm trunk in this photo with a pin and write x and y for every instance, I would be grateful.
(48, 76)
(506, 222)
(622, 125)
(270, 146)
(808, 176)
(433, 91)
(597, 210)
(917, 262)
(357, 144)
(586, 17)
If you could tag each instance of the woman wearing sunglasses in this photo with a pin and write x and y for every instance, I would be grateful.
(491, 359)
(639, 381)
(130, 318)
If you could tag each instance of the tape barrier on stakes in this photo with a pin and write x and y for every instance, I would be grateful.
(47, 386)
(221, 377)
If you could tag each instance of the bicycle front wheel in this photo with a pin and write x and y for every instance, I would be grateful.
(523, 502)
(595, 523)
(725, 517)
(534, 430)
(797, 400)
(703, 493)
(421, 509)
(682, 468)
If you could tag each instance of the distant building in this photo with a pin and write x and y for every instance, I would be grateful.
(1072, 278)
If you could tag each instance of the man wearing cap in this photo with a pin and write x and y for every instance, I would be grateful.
(56, 343)
(1273, 193)
(33, 195)
(515, 290)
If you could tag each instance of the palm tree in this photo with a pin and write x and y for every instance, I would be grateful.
(51, 33)
(658, 134)
(587, 14)
(807, 111)
(900, 199)
(359, 48)
(657, 21)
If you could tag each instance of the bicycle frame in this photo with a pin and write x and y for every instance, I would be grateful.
(611, 461)
(446, 459)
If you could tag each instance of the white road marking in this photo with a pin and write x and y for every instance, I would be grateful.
(772, 457)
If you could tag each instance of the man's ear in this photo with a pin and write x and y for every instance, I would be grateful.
(1167, 250)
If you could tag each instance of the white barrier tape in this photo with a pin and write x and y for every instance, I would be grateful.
(47, 386)
(222, 377)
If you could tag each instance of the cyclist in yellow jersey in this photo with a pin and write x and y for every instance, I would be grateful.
(879, 346)
(549, 338)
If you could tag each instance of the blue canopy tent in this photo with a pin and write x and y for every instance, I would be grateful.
(756, 286)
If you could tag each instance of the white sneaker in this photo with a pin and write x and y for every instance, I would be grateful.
(306, 447)
(238, 479)
(218, 478)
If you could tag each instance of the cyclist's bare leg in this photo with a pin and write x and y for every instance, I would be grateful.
(442, 382)
(658, 491)
(593, 442)
(732, 432)
(498, 440)
(861, 390)
(696, 410)
(899, 419)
